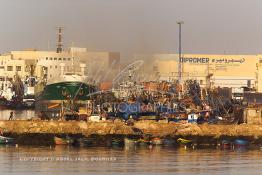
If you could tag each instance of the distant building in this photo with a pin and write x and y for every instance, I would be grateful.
(47, 63)
(208, 70)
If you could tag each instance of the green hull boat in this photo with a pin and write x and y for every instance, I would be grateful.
(6, 140)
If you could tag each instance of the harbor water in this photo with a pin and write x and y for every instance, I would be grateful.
(127, 160)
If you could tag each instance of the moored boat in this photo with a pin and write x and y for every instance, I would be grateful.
(226, 144)
(143, 142)
(63, 141)
(157, 141)
(241, 143)
(65, 95)
(6, 140)
(130, 142)
(86, 142)
(116, 142)
(184, 141)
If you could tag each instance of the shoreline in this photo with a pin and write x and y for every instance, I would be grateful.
(43, 132)
(156, 129)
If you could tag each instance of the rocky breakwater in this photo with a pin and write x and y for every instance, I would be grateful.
(156, 129)
(204, 130)
(65, 127)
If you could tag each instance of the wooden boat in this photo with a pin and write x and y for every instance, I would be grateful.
(157, 141)
(226, 144)
(63, 141)
(116, 142)
(86, 141)
(130, 142)
(6, 140)
(143, 142)
(184, 141)
(241, 142)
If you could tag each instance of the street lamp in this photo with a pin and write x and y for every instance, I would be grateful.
(179, 61)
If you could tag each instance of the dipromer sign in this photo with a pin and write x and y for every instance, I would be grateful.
(210, 61)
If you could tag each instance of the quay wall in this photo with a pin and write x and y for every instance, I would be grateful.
(155, 129)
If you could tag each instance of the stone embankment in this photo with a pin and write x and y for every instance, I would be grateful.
(155, 129)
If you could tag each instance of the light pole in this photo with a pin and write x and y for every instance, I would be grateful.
(180, 61)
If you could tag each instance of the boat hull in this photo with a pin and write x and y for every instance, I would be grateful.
(63, 141)
(6, 140)
(157, 141)
(70, 95)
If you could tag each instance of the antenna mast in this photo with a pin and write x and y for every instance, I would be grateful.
(59, 48)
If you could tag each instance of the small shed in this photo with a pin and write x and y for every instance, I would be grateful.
(253, 115)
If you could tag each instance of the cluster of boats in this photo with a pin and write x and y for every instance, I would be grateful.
(133, 142)
(238, 143)
(130, 142)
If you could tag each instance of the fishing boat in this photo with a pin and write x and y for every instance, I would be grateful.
(157, 141)
(63, 96)
(6, 140)
(184, 141)
(241, 143)
(143, 142)
(130, 142)
(226, 144)
(63, 141)
(116, 142)
(86, 142)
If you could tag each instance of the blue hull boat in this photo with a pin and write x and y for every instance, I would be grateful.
(241, 142)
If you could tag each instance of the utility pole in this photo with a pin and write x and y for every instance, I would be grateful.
(180, 60)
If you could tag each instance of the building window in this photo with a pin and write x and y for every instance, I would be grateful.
(55, 58)
(2, 67)
(50, 76)
(60, 58)
(64, 59)
(9, 68)
(46, 58)
(69, 59)
(56, 66)
(51, 58)
(50, 67)
(18, 68)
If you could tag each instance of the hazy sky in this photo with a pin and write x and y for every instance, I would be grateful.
(134, 26)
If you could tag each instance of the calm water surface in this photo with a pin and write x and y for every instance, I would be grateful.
(129, 160)
(157, 160)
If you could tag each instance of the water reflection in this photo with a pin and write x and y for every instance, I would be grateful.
(157, 160)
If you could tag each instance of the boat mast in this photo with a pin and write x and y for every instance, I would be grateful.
(72, 57)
